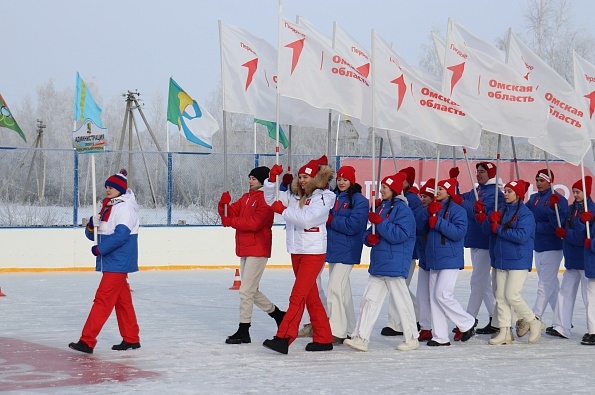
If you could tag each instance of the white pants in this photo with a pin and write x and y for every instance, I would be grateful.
(306, 316)
(547, 264)
(444, 306)
(423, 299)
(591, 305)
(509, 284)
(376, 290)
(481, 283)
(393, 316)
(251, 269)
(340, 300)
(562, 321)
(495, 322)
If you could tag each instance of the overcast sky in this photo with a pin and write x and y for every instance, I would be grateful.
(119, 45)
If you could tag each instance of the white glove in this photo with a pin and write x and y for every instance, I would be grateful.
(96, 220)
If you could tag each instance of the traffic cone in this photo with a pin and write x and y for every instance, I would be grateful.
(237, 281)
(1, 294)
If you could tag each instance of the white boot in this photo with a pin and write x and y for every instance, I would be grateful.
(412, 344)
(357, 343)
(522, 327)
(503, 337)
(536, 326)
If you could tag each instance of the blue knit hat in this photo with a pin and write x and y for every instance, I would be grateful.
(118, 181)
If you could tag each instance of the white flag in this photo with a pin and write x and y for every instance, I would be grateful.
(310, 70)
(566, 136)
(405, 103)
(249, 78)
(490, 90)
(584, 84)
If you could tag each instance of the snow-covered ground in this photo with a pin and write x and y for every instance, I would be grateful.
(186, 315)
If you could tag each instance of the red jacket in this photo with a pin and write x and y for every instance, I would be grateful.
(252, 218)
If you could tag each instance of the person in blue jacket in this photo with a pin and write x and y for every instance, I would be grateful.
(548, 247)
(482, 290)
(512, 257)
(116, 255)
(445, 224)
(573, 233)
(345, 226)
(392, 238)
(589, 259)
(426, 194)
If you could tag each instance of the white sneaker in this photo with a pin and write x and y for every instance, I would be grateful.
(306, 331)
(357, 343)
(536, 326)
(409, 345)
(522, 327)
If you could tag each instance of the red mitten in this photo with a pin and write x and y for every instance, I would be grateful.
(432, 221)
(275, 171)
(287, 179)
(330, 219)
(494, 226)
(479, 206)
(588, 244)
(226, 221)
(374, 218)
(225, 198)
(454, 172)
(377, 202)
(278, 207)
(95, 251)
(554, 199)
(373, 239)
(495, 216)
(458, 199)
(561, 232)
(413, 189)
(481, 217)
(434, 207)
(586, 217)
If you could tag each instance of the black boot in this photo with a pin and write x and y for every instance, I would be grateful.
(319, 346)
(281, 345)
(81, 346)
(241, 336)
(488, 329)
(388, 331)
(277, 315)
(125, 346)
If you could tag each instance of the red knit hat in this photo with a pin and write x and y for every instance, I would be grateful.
(310, 168)
(544, 174)
(579, 185)
(395, 182)
(118, 181)
(428, 188)
(409, 174)
(450, 185)
(489, 167)
(519, 187)
(347, 172)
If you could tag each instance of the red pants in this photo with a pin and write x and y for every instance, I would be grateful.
(305, 294)
(113, 291)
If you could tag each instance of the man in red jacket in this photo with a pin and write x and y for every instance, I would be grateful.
(252, 218)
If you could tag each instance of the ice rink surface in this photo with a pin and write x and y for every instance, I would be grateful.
(186, 315)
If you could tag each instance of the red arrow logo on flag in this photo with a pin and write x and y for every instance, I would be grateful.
(591, 97)
(364, 69)
(402, 88)
(251, 65)
(457, 73)
(297, 47)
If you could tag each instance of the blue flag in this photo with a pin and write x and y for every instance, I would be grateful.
(84, 105)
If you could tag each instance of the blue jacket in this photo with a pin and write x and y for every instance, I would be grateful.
(345, 232)
(475, 238)
(512, 248)
(392, 255)
(117, 236)
(416, 206)
(420, 242)
(589, 254)
(573, 244)
(444, 248)
(545, 220)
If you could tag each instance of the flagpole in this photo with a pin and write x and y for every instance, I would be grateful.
(497, 172)
(373, 190)
(454, 156)
(225, 186)
(392, 152)
(437, 167)
(278, 96)
(470, 174)
(549, 174)
(585, 197)
(337, 138)
(95, 226)
(516, 162)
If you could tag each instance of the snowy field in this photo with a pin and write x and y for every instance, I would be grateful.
(185, 317)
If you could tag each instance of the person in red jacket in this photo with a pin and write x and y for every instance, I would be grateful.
(252, 218)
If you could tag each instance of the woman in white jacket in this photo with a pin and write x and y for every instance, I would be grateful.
(305, 208)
